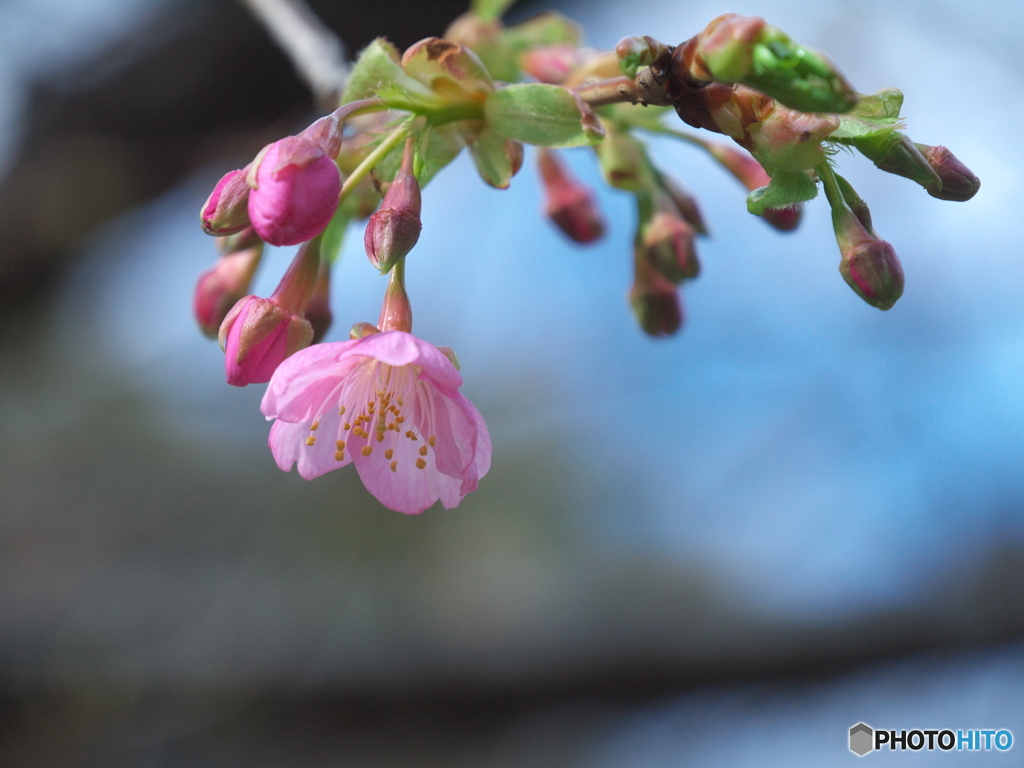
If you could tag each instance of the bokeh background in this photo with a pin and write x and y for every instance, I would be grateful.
(721, 549)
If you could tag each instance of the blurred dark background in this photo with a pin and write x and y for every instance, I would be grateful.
(724, 549)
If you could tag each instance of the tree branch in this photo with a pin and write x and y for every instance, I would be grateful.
(317, 53)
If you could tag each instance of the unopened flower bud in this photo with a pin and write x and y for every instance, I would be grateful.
(897, 154)
(295, 188)
(869, 264)
(226, 209)
(686, 202)
(958, 181)
(220, 287)
(658, 309)
(656, 302)
(622, 160)
(256, 336)
(667, 241)
(784, 219)
(568, 203)
(394, 229)
(551, 63)
(636, 52)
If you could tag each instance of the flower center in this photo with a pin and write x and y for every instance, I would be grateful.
(379, 406)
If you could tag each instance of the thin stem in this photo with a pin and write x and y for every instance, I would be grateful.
(371, 160)
(316, 52)
(832, 190)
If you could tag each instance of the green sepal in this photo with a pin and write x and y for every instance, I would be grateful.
(874, 115)
(378, 70)
(490, 152)
(785, 189)
(624, 163)
(490, 10)
(542, 114)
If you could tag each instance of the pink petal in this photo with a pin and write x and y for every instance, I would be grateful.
(302, 382)
(400, 348)
(288, 443)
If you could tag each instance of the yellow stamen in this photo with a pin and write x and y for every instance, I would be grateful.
(340, 444)
(421, 464)
(310, 440)
(339, 455)
(394, 466)
(367, 450)
(432, 440)
(423, 450)
(389, 453)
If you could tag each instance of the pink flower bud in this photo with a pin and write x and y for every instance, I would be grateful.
(225, 210)
(784, 219)
(257, 336)
(295, 191)
(394, 229)
(658, 309)
(685, 202)
(551, 63)
(568, 203)
(667, 241)
(869, 264)
(220, 287)
(958, 181)
(656, 302)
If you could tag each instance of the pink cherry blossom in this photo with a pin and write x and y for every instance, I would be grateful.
(295, 191)
(388, 403)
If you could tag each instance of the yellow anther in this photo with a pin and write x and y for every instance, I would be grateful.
(421, 464)
(360, 432)
(367, 450)
(341, 411)
(340, 444)
(339, 455)
(313, 426)
(399, 419)
(394, 466)
(411, 435)
(393, 427)
(346, 425)
(380, 436)
(310, 440)
(423, 450)
(432, 440)
(389, 453)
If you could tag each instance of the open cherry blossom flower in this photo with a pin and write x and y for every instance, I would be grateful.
(388, 403)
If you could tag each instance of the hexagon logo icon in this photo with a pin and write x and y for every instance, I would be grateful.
(862, 739)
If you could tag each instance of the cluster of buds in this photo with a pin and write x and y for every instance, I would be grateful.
(389, 402)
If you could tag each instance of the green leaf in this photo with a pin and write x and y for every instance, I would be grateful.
(786, 188)
(490, 10)
(874, 116)
(377, 70)
(547, 115)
